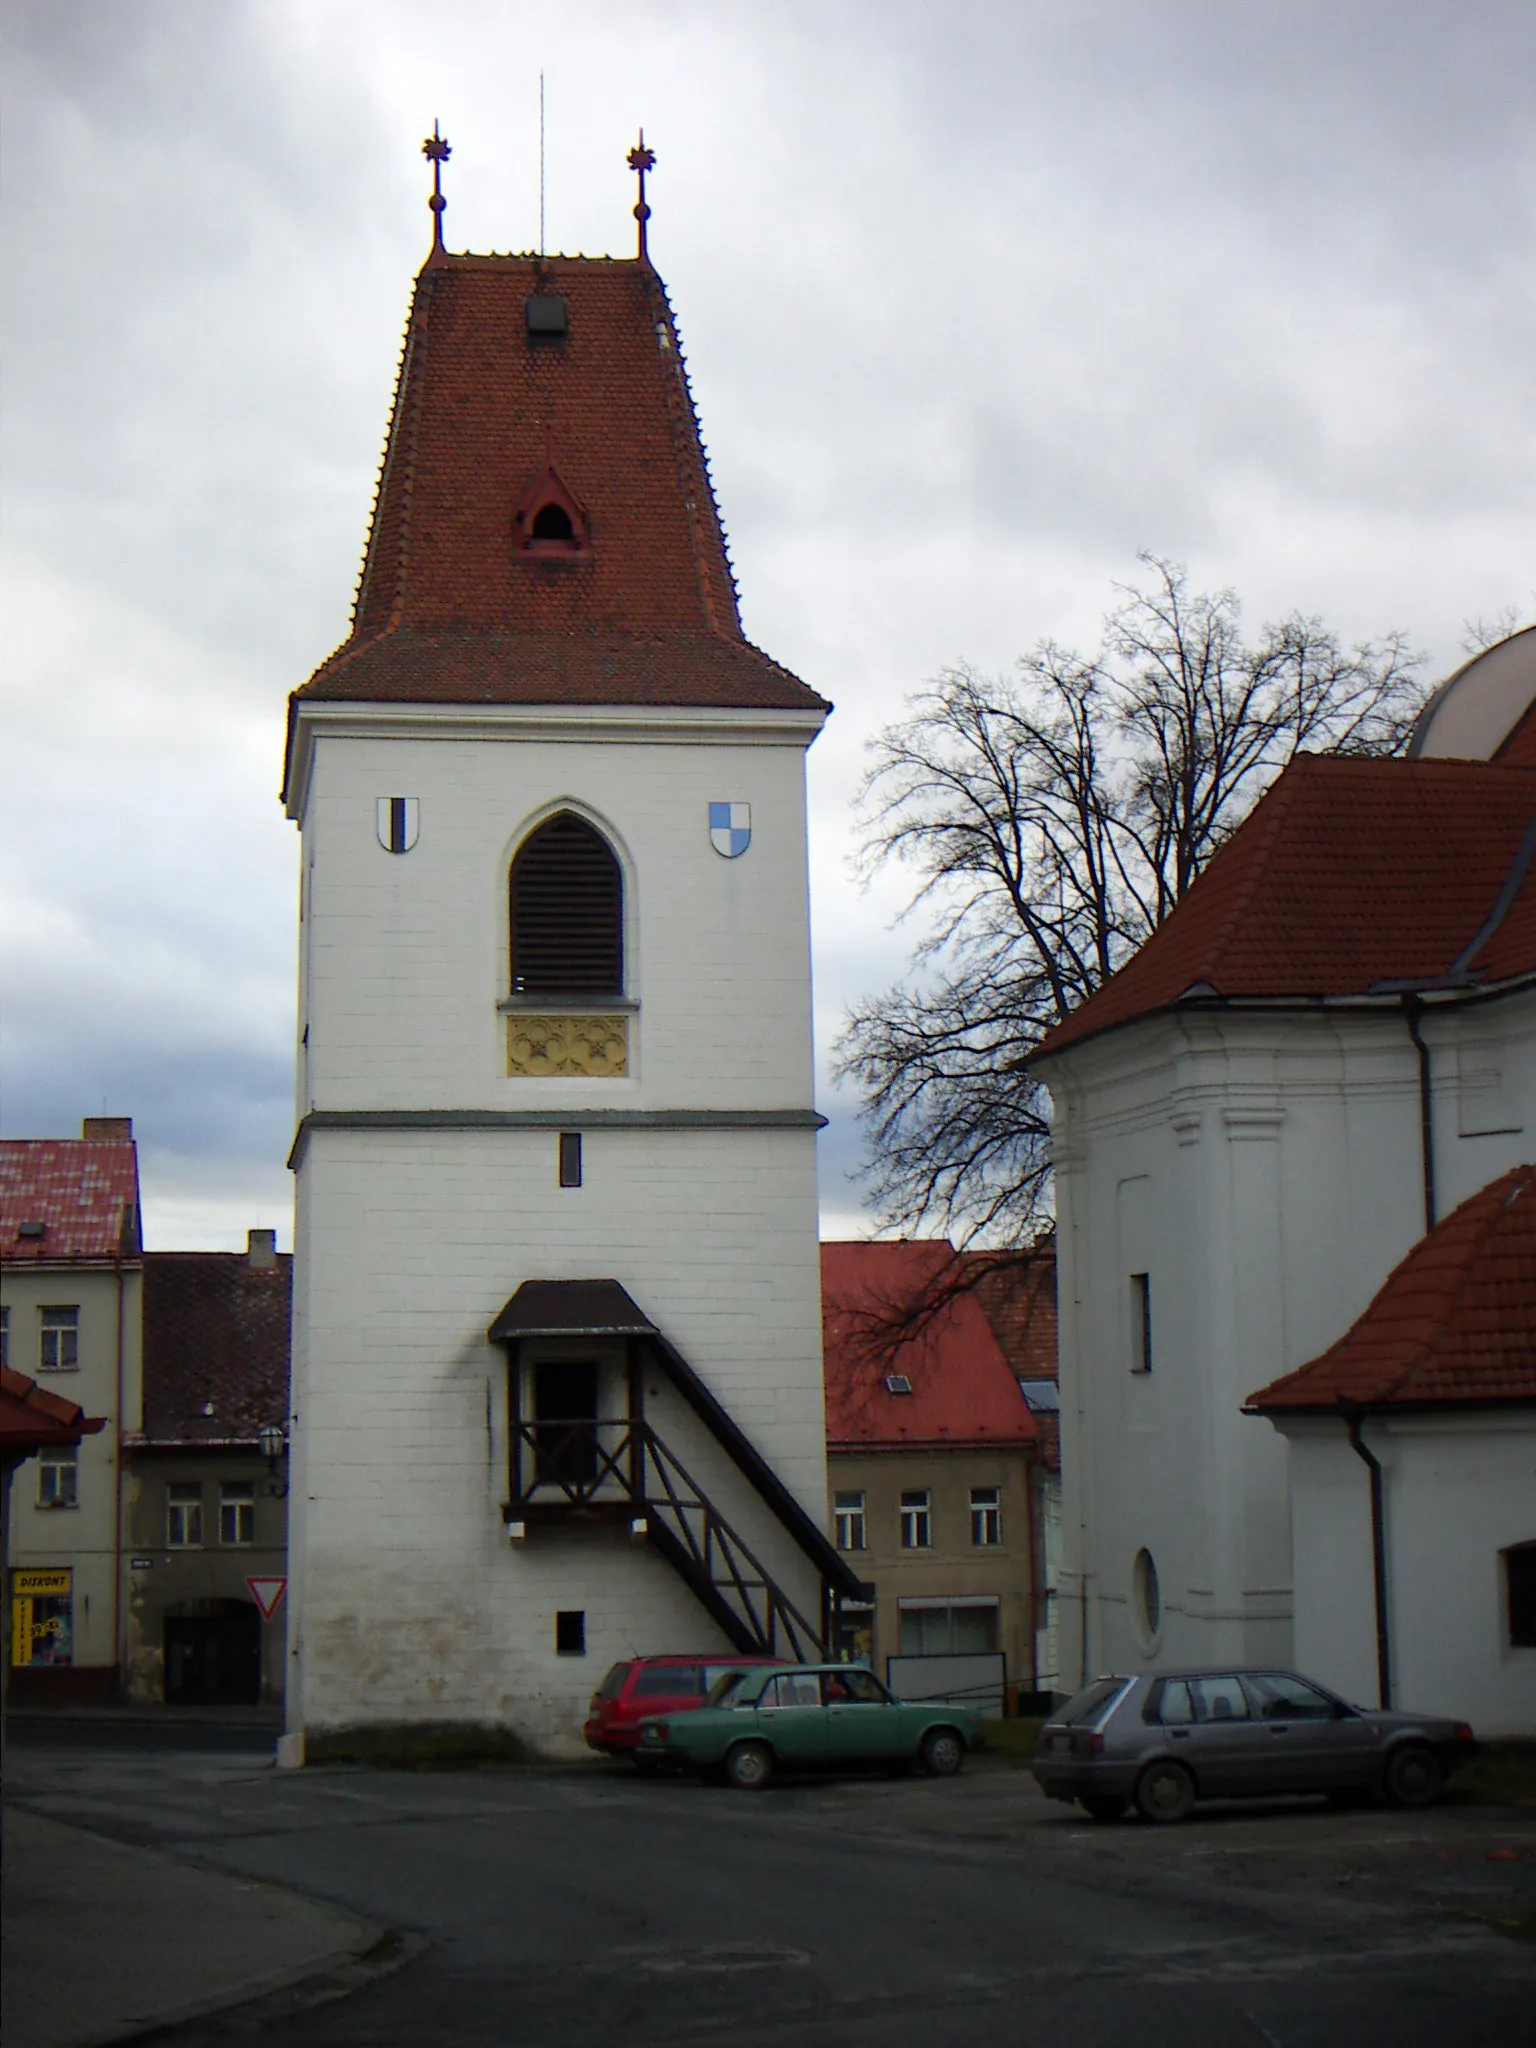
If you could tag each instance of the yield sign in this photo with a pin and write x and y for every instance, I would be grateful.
(268, 1595)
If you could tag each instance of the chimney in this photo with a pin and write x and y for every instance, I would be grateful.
(107, 1130)
(261, 1249)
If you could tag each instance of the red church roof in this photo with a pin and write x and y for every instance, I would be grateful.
(962, 1389)
(1349, 878)
(84, 1192)
(457, 603)
(1454, 1323)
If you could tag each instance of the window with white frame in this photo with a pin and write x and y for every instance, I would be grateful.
(986, 1516)
(58, 1478)
(916, 1521)
(184, 1515)
(59, 1343)
(848, 1518)
(237, 1511)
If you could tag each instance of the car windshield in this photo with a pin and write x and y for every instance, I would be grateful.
(609, 1688)
(1086, 1706)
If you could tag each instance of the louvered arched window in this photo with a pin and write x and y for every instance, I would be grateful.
(567, 912)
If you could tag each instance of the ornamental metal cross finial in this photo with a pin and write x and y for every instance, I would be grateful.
(641, 160)
(435, 149)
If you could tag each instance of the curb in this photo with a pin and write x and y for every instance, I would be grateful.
(255, 2007)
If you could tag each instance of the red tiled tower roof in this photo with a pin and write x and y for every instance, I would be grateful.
(31, 1417)
(451, 608)
(1454, 1323)
(83, 1191)
(963, 1393)
(1350, 878)
(216, 1337)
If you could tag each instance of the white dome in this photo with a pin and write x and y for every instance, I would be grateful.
(1474, 711)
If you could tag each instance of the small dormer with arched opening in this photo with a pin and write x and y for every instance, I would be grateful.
(550, 522)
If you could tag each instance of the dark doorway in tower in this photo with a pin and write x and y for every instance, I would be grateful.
(213, 1654)
(565, 1410)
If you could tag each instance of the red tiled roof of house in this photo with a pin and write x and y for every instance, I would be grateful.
(31, 1417)
(216, 1336)
(1518, 747)
(450, 607)
(1455, 1322)
(1347, 875)
(1017, 1292)
(963, 1390)
(83, 1191)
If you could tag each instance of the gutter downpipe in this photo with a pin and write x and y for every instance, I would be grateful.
(119, 1646)
(1378, 1558)
(1413, 1010)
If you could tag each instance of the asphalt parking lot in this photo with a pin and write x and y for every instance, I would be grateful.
(587, 1906)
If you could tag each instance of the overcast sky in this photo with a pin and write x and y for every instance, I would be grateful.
(978, 300)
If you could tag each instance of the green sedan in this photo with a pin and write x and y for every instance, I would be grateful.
(815, 1716)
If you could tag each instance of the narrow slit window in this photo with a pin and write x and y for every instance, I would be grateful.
(1141, 1322)
(570, 1159)
(567, 906)
(1520, 1590)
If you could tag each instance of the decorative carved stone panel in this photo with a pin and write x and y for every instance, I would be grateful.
(568, 1044)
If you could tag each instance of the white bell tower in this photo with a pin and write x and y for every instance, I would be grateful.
(557, 1318)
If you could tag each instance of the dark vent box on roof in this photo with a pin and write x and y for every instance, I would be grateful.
(546, 315)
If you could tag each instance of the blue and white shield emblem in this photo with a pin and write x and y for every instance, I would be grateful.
(730, 828)
(399, 822)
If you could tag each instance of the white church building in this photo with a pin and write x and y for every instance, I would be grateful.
(557, 1309)
(1326, 1049)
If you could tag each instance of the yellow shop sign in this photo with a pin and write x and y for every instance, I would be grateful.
(41, 1585)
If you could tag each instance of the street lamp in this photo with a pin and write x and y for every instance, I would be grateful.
(274, 1448)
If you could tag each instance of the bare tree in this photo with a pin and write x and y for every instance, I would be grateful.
(1051, 821)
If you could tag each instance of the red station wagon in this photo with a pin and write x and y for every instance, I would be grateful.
(642, 1687)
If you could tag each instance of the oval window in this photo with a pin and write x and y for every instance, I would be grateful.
(1146, 1600)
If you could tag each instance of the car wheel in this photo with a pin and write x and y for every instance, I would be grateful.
(942, 1753)
(1100, 1806)
(749, 1766)
(1164, 1793)
(1413, 1775)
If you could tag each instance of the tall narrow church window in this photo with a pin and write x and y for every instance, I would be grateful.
(567, 913)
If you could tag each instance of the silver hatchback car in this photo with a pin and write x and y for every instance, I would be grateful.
(1162, 1740)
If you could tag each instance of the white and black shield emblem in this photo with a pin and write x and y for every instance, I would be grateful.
(399, 823)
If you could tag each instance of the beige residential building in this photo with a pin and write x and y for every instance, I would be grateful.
(931, 1449)
(71, 1274)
